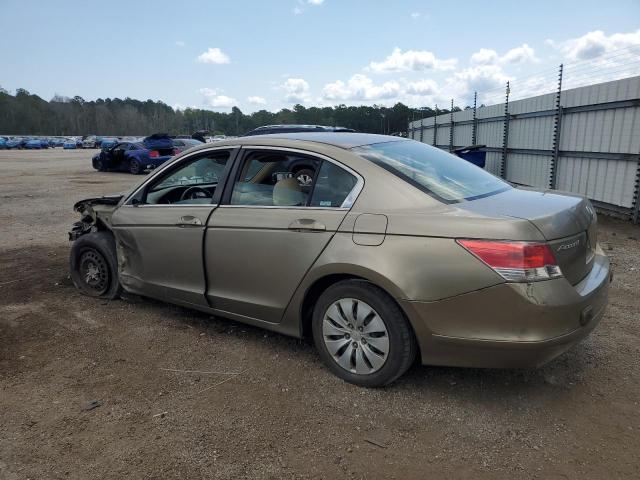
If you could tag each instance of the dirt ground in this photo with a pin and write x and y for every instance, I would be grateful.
(183, 395)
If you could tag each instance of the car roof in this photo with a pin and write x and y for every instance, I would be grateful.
(345, 140)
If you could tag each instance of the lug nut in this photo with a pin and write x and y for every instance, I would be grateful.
(355, 344)
(364, 340)
(347, 336)
(359, 329)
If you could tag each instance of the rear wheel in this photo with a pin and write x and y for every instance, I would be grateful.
(134, 167)
(94, 267)
(362, 335)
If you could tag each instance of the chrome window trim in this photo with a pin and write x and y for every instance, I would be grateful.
(168, 164)
(286, 207)
(349, 200)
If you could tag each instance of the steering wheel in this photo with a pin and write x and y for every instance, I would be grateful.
(194, 192)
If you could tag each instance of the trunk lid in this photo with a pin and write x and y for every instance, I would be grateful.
(567, 222)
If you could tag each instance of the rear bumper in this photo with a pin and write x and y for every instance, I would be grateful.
(511, 325)
(155, 162)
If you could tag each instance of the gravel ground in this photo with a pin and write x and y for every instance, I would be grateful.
(183, 395)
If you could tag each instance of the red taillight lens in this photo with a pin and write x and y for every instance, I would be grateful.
(515, 261)
(154, 153)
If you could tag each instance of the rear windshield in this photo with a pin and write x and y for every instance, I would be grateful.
(444, 176)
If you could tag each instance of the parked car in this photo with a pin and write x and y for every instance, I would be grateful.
(182, 144)
(3, 143)
(135, 157)
(16, 142)
(70, 144)
(397, 250)
(36, 144)
(271, 129)
(108, 142)
(91, 141)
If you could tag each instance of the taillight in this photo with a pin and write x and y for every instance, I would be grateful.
(154, 153)
(515, 261)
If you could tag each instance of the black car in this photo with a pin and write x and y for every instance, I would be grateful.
(269, 129)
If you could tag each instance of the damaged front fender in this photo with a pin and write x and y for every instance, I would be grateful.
(95, 215)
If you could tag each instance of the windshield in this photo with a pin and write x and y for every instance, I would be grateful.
(442, 175)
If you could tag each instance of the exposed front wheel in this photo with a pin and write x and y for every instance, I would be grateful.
(93, 265)
(362, 335)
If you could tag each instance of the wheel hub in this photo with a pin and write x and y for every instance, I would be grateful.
(94, 271)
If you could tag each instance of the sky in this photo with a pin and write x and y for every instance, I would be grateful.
(274, 54)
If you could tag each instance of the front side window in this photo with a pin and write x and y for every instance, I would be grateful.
(444, 176)
(194, 182)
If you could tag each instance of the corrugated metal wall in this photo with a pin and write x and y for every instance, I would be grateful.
(599, 141)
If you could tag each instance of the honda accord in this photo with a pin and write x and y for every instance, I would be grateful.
(395, 250)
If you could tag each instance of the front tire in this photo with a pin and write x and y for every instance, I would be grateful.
(94, 266)
(362, 335)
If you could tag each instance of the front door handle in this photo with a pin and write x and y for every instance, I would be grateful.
(307, 225)
(189, 221)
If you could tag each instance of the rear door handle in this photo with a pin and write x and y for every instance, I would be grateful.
(189, 221)
(307, 225)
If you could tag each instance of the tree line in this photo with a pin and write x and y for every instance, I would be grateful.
(28, 114)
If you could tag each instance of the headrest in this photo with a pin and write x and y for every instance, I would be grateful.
(287, 192)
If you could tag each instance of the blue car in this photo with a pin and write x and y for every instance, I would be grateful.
(16, 142)
(107, 142)
(34, 143)
(135, 157)
(3, 143)
(70, 144)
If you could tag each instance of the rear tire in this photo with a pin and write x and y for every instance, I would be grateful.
(372, 344)
(93, 265)
(134, 167)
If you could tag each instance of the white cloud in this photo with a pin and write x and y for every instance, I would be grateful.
(296, 90)
(297, 11)
(215, 99)
(315, 2)
(180, 43)
(412, 60)
(479, 78)
(415, 15)
(422, 87)
(360, 87)
(255, 100)
(593, 44)
(486, 56)
(213, 55)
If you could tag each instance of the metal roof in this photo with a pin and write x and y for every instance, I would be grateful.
(338, 139)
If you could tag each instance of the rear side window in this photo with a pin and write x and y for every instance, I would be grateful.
(444, 176)
(272, 178)
(288, 179)
(333, 185)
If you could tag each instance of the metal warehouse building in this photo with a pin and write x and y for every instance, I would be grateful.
(585, 140)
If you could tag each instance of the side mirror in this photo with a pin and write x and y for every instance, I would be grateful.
(135, 202)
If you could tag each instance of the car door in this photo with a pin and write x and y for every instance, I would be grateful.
(160, 229)
(269, 230)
